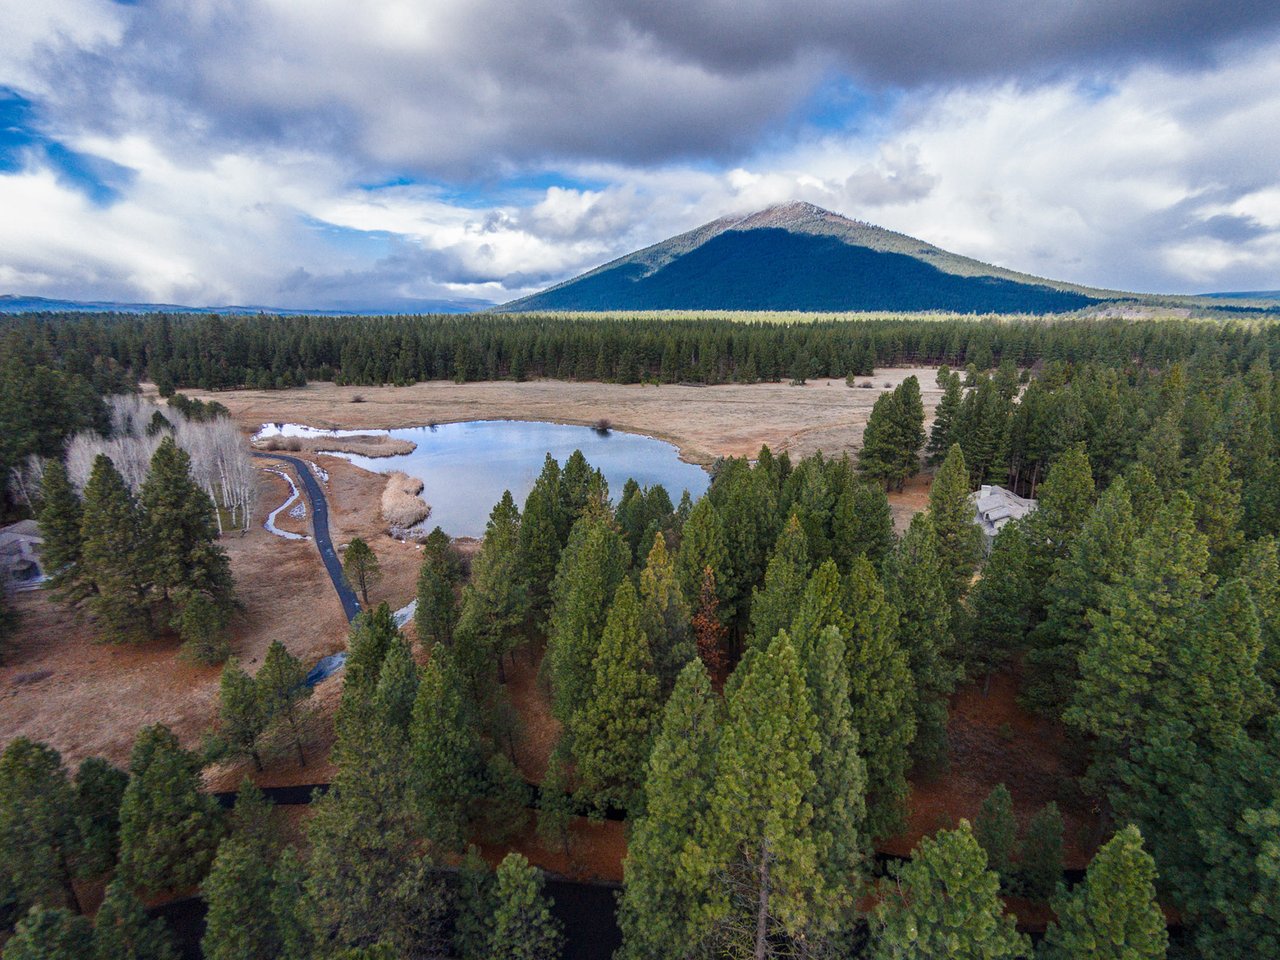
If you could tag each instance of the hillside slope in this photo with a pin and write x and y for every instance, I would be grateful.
(797, 256)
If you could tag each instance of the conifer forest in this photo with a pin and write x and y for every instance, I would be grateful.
(750, 683)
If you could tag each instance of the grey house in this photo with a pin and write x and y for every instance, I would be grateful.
(20, 555)
(995, 506)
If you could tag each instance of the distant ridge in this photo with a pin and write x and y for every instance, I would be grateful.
(10, 303)
(798, 256)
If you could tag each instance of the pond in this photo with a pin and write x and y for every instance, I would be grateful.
(464, 467)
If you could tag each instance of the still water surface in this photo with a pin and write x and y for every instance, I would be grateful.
(464, 467)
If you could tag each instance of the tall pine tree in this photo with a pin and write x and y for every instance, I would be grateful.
(613, 729)
(1113, 915)
(115, 555)
(944, 902)
(667, 870)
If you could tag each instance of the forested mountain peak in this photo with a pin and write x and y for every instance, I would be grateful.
(799, 256)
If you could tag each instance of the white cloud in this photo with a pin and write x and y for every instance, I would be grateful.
(247, 153)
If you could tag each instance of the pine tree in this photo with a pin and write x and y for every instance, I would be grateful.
(250, 818)
(1161, 453)
(1001, 605)
(759, 822)
(785, 578)
(982, 430)
(861, 525)
(367, 879)
(1216, 494)
(1260, 568)
(1098, 557)
(202, 624)
(60, 517)
(436, 614)
(747, 504)
(915, 585)
(495, 602)
(445, 753)
(942, 435)
(701, 546)
(372, 633)
(613, 729)
(281, 687)
(959, 539)
(881, 690)
(909, 427)
(181, 530)
(168, 828)
(242, 717)
(239, 884)
(123, 931)
(99, 789)
(1113, 915)
(666, 615)
(360, 564)
(893, 436)
(556, 806)
(51, 934)
(523, 927)
(997, 832)
(474, 900)
(1213, 681)
(708, 632)
(115, 556)
(37, 827)
(1040, 866)
(543, 532)
(287, 905)
(1066, 501)
(667, 871)
(592, 565)
(1140, 622)
(838, 797)
(580, 487)
(944, 902)
(391, 706)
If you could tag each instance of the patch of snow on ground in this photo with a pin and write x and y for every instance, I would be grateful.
(299, 511)
(405, 613)
(268, 430)
(321, 473)
(271, 519)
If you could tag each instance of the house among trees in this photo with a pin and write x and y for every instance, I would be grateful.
(20, 555)
(996, 506)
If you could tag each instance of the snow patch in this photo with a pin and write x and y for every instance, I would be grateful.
(270, 525)
(268, 430)
(405, 613)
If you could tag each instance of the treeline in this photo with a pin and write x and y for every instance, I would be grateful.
(221, 352)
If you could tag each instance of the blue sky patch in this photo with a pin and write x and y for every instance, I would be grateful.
(23, 143)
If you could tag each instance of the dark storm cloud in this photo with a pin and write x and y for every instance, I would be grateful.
(904, 42)
(466, 91)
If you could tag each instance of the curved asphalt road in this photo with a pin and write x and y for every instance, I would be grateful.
(320, 526)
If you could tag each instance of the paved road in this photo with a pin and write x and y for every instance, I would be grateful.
(320, 526)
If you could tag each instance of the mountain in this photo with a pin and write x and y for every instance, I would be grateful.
(1259, 295)
(10, 303)
(797, 256)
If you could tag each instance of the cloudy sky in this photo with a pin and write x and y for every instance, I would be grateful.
(379, 152)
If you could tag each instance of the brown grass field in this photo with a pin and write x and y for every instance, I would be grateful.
(704, 422)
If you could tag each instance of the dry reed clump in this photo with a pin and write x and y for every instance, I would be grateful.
(402, 507)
